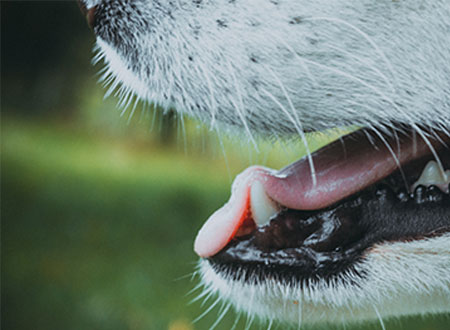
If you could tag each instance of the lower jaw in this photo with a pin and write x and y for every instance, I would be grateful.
(323, 243)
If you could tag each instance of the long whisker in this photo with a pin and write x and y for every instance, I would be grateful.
(207, 310)
(221, 316)
(239, 108)
(299, 58)
(297, 123)
(379, 318)
(249, 322)
(361, 33)
(236, 321)
(353, 78)
(224, 153)
(302, 134)
(212, 100)
(430, 146)
(394, 155)
(366, 63)
(207, 293)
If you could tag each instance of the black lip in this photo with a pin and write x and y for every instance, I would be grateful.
(309, 245)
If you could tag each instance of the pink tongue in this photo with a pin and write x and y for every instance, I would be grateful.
(342, 168)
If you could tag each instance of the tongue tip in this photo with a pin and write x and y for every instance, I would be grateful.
(203, 249)
(222, 225)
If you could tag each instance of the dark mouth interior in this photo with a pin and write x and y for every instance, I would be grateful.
(324, 243)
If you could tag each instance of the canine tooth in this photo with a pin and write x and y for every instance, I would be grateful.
(433, 175)
(263, 208)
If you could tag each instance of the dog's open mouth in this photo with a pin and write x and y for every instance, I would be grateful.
(365, 190)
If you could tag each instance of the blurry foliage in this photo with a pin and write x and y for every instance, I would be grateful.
(96, 234)
(100, 210)
(45, 57)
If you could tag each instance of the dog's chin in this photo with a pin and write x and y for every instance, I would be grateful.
(381, 251)
(391, 279)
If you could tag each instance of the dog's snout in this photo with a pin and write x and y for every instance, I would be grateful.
(89, 13)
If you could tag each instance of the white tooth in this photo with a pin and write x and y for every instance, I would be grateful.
(433, 175)
(263, 208)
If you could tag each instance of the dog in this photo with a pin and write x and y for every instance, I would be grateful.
(355, 231)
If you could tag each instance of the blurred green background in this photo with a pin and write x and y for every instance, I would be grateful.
(100, 209)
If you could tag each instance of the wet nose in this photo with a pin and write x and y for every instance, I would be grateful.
(88, 13)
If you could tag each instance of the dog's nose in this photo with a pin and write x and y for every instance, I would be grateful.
(89, 13)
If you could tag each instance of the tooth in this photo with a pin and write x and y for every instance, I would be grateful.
(263, 208)
(433, 175)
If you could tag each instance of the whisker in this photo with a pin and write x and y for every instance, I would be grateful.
(212, 99)
(296, 121)
(183, 133)
(224, 153)
(300, 311)
(302, 62)
(361, 33)
(236, 321)
(191, 275)
(207, 310)
(239, 109)
(207, 293)
(195, 288)
(355, 79)
(133, 109)
(366, 63)
(221, 316)
(249, 322)
(430, 146)
(394, 156)
(310, 160)
(152, 124)
(379, 318)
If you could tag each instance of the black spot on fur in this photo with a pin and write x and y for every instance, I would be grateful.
(296, 20)
(222, 23)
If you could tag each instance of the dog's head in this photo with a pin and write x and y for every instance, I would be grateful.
(359, 229)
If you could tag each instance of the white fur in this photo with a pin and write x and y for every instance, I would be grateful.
(364, 63)
(276, 67)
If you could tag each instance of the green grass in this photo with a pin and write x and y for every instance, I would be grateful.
(97, 231)
(96, 234)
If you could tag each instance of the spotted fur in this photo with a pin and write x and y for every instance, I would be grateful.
(281, 67)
